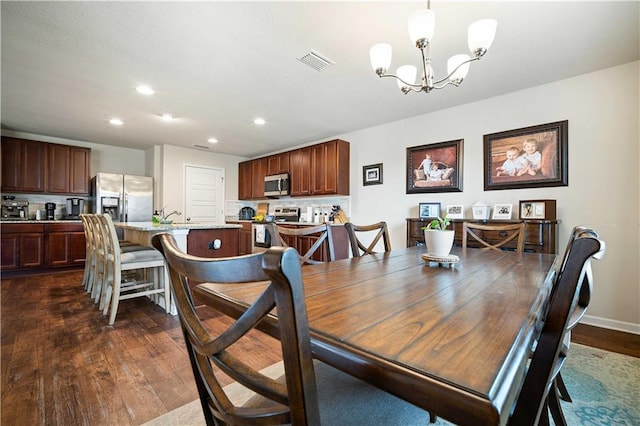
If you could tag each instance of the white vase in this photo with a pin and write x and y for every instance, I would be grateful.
(438, 243)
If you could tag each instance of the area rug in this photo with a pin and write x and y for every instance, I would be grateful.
(604, 386)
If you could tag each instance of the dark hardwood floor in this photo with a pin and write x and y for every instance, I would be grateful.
(62, 365)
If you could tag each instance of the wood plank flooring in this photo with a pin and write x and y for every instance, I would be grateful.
(62, 365)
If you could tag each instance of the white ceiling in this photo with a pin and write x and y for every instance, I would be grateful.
(68, 67)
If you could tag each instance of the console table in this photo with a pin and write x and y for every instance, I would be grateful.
(540, 235)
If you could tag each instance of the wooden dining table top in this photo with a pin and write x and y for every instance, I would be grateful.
(454, 341)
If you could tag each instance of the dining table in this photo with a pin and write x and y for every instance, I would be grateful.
(453, 339)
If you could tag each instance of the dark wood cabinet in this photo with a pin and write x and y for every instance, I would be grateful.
(258, 172)
(68, 171)
(65, 245)
(278, 163)
(245, 239)
(33, 167)
(244, 180)
(201, 242)
(540, 235)
(23, 165)
(330, 168)
(321, 169)
(300, 171)
(36, 247)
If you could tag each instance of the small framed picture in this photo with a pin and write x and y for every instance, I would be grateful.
(538, 209)
(372, 174)
(502, 211)
(455, 211)
(480, 212)
(429, 210)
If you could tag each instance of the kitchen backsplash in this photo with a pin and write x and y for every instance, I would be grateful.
(232, 207)
(37, 201)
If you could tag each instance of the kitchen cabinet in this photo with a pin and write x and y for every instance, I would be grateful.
(330, 168)
(258, 172)
(32, 247)
(540, 235)
(65, 245)
(245, 239)
(278, 163)
(321, 169)
(68, 171)
(300, 172)
(23, 246)
(39, 167)
(244, 180)
(202, 242)
(23, 165)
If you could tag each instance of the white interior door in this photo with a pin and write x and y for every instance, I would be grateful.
(204, 194)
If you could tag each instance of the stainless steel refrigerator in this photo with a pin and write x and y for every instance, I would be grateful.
(126, 198)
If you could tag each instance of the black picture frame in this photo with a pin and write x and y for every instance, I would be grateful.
(429, 210)
(447, 156)
(372, 174)
(551, 154)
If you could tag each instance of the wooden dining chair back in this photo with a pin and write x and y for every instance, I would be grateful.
(90, 256)
(293, 402)
(318, 241)
(375, 232)
(494, 237)
(531, 401)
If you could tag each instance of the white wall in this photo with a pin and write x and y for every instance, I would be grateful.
(604, 182)
(173, 159)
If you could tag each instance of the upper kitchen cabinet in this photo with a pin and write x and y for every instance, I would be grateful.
(278, 163)
(300, 170)
(244, 180)
(330, 168)
(258, 172)
(23, 165)
(68, 171)
(33, 167)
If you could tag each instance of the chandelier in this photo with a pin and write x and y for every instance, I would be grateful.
(421, 26)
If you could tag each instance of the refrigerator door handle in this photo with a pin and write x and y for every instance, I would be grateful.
(125, 207)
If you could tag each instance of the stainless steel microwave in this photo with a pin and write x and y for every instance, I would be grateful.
(276, 185)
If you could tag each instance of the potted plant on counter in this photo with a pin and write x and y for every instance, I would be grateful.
(438, 238)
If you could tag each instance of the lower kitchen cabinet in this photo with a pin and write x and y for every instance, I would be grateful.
(35, 248)
(223, 242)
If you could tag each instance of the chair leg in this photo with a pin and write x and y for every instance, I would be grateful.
(166, 282)
(115, 297)
(562, 388)
(553, 401)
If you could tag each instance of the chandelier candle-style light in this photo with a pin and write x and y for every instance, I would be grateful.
(421, 27)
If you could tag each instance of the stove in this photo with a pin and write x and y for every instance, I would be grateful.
(286, 214)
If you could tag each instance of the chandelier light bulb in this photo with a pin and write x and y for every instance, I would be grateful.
(407, 73)
(380, 56)
(457, 75)
(481, 35)
(421, 26)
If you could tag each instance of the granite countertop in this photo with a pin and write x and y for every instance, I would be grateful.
(149, 226)
(282, 223)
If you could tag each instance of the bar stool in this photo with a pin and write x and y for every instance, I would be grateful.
(154, 283)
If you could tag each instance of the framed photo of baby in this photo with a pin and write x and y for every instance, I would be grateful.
(436, 167)
(530, 157)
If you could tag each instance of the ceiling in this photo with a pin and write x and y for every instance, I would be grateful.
(68, 67)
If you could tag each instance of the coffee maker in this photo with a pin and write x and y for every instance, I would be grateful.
(50, 208)
(75, 206)
(15, 209)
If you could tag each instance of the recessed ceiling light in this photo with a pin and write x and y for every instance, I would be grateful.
(212, 140)
(145, 90)
(116, 122)
(167, 117)
(259, 121)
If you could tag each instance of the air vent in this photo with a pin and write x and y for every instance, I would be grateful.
(316, 60)
(201, 146)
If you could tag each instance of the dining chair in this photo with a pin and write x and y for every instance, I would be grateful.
(294, 397)
(318, 241)
(494, 237)
(358, 248)
(90, 258)
(154, 281)
(531, 404)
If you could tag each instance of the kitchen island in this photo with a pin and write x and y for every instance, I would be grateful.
(200, 239)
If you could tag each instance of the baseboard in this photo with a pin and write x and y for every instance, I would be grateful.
(627, 327)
